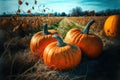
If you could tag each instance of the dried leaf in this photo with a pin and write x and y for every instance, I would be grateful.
(33, 7)
(27, 3)
(44, 10)
(18, 10)
(35, 2)
(20, 2)
(29, 11)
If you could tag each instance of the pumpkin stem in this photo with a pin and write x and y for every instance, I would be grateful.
(87, 27)
(45, 29)
(60, 41)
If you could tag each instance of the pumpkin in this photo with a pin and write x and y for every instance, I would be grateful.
(61, 56)
(40, 40)
(4, 22)
(112, 26)
(90, 44)
(24, 25)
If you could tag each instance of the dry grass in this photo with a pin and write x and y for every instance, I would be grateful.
(97, 26)
(18, 63)
(32, 22)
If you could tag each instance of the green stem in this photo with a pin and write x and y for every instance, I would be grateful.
(60, 41)
(45, 29)
(87, 27)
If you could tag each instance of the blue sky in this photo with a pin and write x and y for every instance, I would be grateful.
(10, 6)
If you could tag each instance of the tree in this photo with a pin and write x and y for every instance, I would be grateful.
(55, 14)
(85, 13)
(76, 11)
(92, 13)
(63, 14)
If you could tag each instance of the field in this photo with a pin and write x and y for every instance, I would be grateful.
(18, 63)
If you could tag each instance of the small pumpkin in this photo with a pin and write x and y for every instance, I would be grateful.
(112, 26)
(24, 25)
(41, 39)
(4, 22)
(90, 44)
(61, 56)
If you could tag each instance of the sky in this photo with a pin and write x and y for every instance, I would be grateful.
(11, 6)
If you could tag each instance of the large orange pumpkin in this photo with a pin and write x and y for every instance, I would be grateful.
(61, 56)
(112, 26)
(90, 44)
(41, 39)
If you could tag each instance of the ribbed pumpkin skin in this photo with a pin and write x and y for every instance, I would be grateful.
(40, 41)
(62, 58)
(90, 44)
(112, 26)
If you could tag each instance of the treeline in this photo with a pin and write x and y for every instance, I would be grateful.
(77, 11)
(108, 12)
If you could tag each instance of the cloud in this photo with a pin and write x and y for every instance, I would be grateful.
(61, 5)
(7, 6)
(100, 4)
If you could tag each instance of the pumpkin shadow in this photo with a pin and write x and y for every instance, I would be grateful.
(107, 66)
